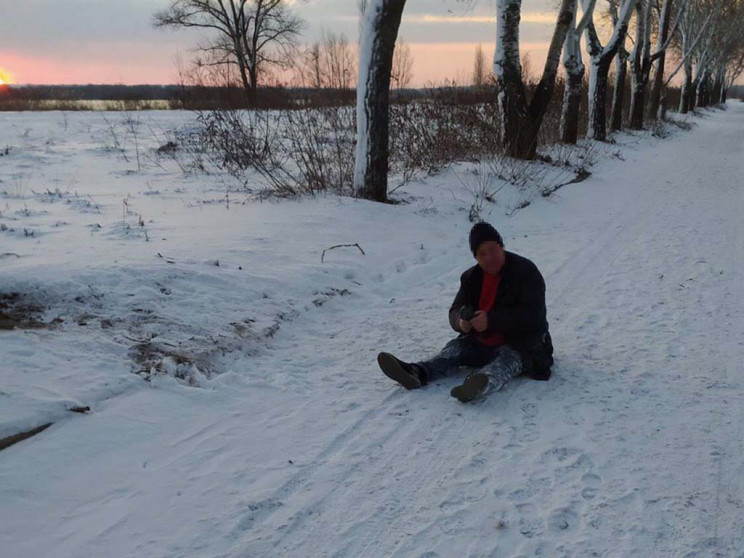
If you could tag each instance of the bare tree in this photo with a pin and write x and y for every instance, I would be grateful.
(479, 67)
(640, 56)
(313, 71)
(618, 88)
(663, 40)
(643, 59)
(709, 44)
(726, 47)
(402, 71)
(574, 68)
(340, 62)
(380, 24)
(732, 73)
(601, 58)
(521, 121)
(329, 63)
(250, 34)
(694, 32)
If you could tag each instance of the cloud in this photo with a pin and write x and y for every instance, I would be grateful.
(527, 17)
(543, 18)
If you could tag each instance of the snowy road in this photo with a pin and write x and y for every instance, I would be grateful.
(634, 448)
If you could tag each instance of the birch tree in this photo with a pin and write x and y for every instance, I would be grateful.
(696, 30)
(601, 57)
(702, 60)
(663, 41)
(574, 68)
(643, 58)
(621, 74)
(727, 41)
(733, 71)
(639, 61)
(379, 31)
(618, 88)
(520, 120)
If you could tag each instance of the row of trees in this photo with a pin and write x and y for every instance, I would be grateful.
(704, 36)
(701, 38)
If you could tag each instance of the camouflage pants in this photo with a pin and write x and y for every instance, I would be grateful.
(500, 364)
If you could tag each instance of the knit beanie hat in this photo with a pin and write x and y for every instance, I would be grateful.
(483, 232)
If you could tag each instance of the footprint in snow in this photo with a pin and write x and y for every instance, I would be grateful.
(563, 519)
(591, 484)
(529, 521)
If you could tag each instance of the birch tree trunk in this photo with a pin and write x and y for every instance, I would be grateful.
(658, 81)
(701, 97)
(379, 33)
(571, 101)
(574, 68)
(686, 93)
(521, 122)
(640, 61)
(516, 130)
(597, 99)
(618, 96)
(601, 58)
(692, 101)
(715, 94)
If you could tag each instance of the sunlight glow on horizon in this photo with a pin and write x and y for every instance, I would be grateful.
(5, 77)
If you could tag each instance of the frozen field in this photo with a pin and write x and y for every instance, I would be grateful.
(236, 409)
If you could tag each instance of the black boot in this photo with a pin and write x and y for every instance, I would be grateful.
(474, 386)
(409, 376)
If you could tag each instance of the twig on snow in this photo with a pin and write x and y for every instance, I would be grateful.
(322, 256)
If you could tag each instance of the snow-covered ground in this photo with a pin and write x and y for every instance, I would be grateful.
(259, 424)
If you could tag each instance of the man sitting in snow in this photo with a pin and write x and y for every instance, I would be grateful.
(500, 314)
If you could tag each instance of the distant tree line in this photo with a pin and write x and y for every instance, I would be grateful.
(94, 92)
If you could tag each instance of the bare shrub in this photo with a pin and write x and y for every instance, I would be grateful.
(132, 125)
(660, 129)
(328, 64)
(575, 158)
(292, 151)
(115, 137)
(444, 125)
(483, 185)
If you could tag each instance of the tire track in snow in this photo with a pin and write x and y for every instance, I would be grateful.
(278, 528)
(587, 276)
(262, 511)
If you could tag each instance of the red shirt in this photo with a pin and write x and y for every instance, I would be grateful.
(487, 297)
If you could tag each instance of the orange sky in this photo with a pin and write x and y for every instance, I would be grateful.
(46, 70)
(80, 42)
(433, 63)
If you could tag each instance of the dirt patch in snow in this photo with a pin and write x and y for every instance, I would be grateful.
(18, 312)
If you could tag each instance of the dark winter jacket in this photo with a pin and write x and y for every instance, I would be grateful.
(518, 312)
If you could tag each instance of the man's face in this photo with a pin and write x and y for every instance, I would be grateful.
(490, 256)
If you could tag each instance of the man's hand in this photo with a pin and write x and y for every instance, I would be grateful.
(464, 326)
(480, 321)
